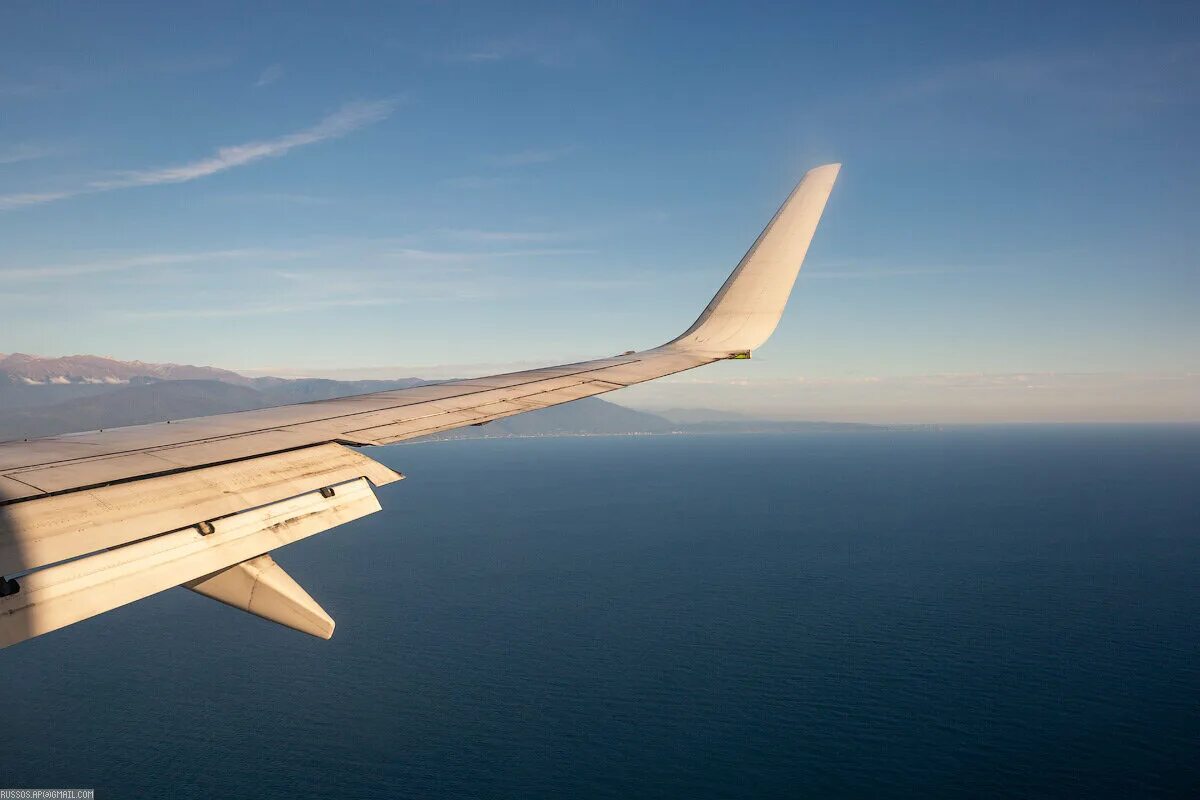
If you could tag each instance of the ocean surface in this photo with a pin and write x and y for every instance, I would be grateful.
(955, 613)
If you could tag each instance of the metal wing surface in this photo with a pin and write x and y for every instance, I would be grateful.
(91, 521)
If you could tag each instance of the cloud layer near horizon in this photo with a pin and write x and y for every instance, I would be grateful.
(938, 398)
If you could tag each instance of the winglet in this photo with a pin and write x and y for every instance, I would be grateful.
(744, 313)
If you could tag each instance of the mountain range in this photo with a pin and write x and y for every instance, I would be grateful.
(23, 369)
(47, 396)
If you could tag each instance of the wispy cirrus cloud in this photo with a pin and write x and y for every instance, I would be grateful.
(51, 79)
(868, 274)
(22, 199)
(269, 75)
(1118, 79)
(524, 158)
(476, 182)
(545, 51)
(475, 235)
(375, 257)
(346, 120)
(259, 309)
(550, 43)
(26, 151)
(141, 261)
(301, 292)
(454, 256)
(282, 198)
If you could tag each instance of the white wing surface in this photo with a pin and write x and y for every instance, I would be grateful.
(91, 521)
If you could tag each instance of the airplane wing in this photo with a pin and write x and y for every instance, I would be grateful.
(92, 521)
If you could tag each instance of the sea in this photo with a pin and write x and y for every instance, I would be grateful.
(966, 612)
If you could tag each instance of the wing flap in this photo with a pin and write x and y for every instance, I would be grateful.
(60, 595)
(52, 529)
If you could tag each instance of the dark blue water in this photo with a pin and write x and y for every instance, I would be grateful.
(902, 614)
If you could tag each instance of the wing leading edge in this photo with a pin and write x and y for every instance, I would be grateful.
(86, 496)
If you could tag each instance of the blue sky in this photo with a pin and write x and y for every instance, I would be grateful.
(445, 189)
